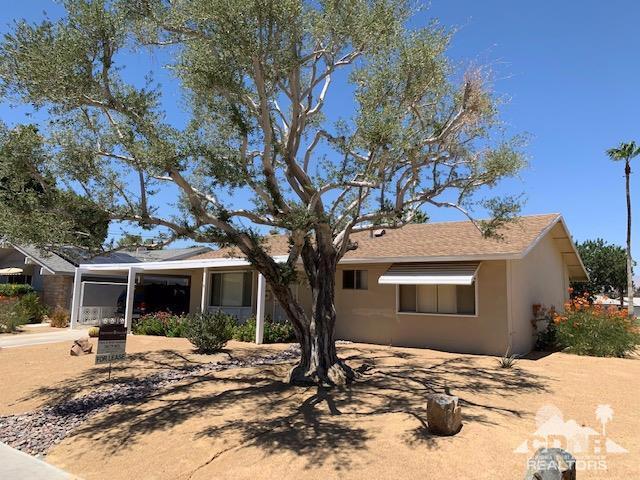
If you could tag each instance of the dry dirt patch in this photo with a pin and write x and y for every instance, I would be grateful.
(245, 423)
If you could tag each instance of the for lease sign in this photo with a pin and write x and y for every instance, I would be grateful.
(112, 341)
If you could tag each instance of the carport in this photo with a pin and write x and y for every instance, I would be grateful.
(199, 271)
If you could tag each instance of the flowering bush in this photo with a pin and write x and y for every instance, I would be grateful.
(599, 330)
(163, 324)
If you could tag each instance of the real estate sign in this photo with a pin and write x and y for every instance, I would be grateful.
(112, 341)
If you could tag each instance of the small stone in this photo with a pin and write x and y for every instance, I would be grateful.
(444, 416)
(551, 464)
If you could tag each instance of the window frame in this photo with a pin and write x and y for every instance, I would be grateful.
(355, 279)
(427, 314)
(210, 288)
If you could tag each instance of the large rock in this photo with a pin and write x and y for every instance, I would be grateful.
(444, 416)
(551, 464)
(81, 347)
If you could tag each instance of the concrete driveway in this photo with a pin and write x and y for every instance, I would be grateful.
(24, 340)
(18, 465)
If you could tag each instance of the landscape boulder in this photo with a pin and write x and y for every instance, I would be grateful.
(81, 347)
(444, 416)
(551, 464)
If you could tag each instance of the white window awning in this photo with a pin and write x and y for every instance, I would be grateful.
(430, 274)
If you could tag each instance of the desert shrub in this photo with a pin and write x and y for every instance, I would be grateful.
(59, 318)
(30, 309)
(245, 332)
(274, 332)
(14, 289)
(210, 332)
(597, 330)
(546, 340)
(278, 332)
(9, 318)
(163, 324)
(508, 360)
(94, 332)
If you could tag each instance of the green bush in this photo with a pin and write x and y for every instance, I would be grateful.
(210, 332)
(245, 332)
(14, 289)
(274, 332)
(9, 318)
(163, 324)
(596, 330)
(30, 309)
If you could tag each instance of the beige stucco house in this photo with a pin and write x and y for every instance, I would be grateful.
(436, 285)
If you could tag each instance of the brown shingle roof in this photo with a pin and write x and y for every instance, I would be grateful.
(437, 240)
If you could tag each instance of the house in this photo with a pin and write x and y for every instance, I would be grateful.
(615, 302)
(436, 285)
(51, 273)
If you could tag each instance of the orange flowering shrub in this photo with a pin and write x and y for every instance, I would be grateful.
(594, 329)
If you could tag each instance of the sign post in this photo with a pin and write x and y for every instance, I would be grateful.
(112, 341)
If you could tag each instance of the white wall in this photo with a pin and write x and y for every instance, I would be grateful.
(541, 277)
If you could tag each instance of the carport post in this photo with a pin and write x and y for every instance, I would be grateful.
(205, 290)
(260, 309)
(131, 287)
(76, 298)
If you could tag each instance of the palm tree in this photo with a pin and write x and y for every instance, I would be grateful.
(625, 152)
(604, 413)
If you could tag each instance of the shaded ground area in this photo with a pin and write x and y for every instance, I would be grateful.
(245, 423)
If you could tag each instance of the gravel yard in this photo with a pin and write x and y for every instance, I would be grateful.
(168, 413)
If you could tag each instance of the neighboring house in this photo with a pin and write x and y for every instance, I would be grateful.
(51, 273)
(48, 273)
(436, 285)
(604, 300)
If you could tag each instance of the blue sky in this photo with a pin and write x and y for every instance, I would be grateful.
(570, 71)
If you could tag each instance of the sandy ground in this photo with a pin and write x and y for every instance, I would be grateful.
(28, 329)
(246, 424)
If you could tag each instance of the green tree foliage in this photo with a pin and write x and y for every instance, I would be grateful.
(33, 208)
(255, 77)
(606, 265)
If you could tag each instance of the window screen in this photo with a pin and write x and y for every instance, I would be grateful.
(444, 299)
(231, 289)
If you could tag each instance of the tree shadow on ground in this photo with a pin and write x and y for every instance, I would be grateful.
(254, 408)
(134, 367)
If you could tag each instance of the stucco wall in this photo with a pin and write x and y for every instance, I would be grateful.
(541, 277)
(370, 316)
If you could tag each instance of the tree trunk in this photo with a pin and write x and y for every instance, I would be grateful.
(627, 171)
(319, 362)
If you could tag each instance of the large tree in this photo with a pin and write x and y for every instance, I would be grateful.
(606, 265)
(255, 78)
(33, 208)
(625, 152)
